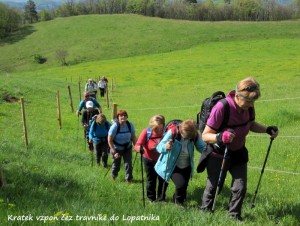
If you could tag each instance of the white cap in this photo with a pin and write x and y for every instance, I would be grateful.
(89, 104)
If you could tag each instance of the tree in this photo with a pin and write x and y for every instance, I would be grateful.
(61, 56)
(30, 13)
(10, 20)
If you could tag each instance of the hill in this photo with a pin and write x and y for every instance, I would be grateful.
(103, 37)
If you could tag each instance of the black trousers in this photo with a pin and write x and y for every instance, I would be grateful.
(101, 151)
(152, 178)
(102, 92)
(181, 178)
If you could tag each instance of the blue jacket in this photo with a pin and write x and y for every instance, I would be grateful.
(165, 171)
(83, 102)
(98, 133)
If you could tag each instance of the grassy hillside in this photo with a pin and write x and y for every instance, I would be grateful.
(54, 178)
(102, 37)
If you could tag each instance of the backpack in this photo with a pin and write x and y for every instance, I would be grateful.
(118, 131)
(173, 125)
(207, 106)
(149, 133)
(118, 128)
(95, 124)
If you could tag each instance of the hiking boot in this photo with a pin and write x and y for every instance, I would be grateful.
(129, 181)
(236, 217)
(113, 177)
(104, 165)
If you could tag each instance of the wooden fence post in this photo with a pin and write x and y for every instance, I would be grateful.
(24, 122)
(70, 96)
(58, 109)
(2, 179)
(114, 111)
(107, 99)
(79, 91)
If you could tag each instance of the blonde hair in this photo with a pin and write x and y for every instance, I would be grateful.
(248, 88)
(101, 118)
(155, 121)
(189, 127)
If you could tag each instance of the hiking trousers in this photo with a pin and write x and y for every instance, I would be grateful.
(181, 178)
(116, 164)
(238, 184)
(101, 149)
(152, 179)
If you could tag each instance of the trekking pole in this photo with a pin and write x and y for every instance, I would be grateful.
(221, 179)
(134, 160)
(77, 130)
(261, 173)
(142, 151)
(92, 156)
(108, 168)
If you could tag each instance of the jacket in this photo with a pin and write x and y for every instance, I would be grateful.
(167, 160)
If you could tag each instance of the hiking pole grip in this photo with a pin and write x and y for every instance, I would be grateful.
(261, 173)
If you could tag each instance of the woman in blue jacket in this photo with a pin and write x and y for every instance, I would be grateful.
(98, 135)
(177, 157)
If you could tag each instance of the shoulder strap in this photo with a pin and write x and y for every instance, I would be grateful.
(149, 132)
(226, 113)
(106, 125)
(128, 125)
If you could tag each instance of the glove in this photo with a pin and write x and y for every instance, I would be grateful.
(224, 137)
(270, 129)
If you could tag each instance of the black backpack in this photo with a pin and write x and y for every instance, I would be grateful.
(207, 106)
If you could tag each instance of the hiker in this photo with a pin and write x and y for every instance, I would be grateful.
(91, 87)
(121, 135)
(86, 120)
(82, 104)
(241, 120)
(102, 84)
(98, 136)
(147, 141)
(177, 157)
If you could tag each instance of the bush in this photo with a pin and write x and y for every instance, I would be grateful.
(39, 59)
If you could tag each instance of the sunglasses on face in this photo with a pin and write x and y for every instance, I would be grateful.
(124, 115)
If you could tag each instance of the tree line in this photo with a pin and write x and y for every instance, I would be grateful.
(207, 10)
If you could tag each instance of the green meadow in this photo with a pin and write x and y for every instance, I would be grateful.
(154, 66)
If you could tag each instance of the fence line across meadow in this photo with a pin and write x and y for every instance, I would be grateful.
(274, 170)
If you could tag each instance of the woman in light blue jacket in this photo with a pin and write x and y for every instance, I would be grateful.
(177, 157)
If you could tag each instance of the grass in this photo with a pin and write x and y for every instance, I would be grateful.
(170, 76)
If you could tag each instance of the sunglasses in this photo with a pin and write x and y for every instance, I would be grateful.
(250, 88)
(123, 115)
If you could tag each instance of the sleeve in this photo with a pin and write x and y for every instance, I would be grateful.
(96, 103)
(112, 130)
(141, 140)
(132, 128)
(161, 147)
(91, 135)
(216, 116)
(80, 106)
(200, 145)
